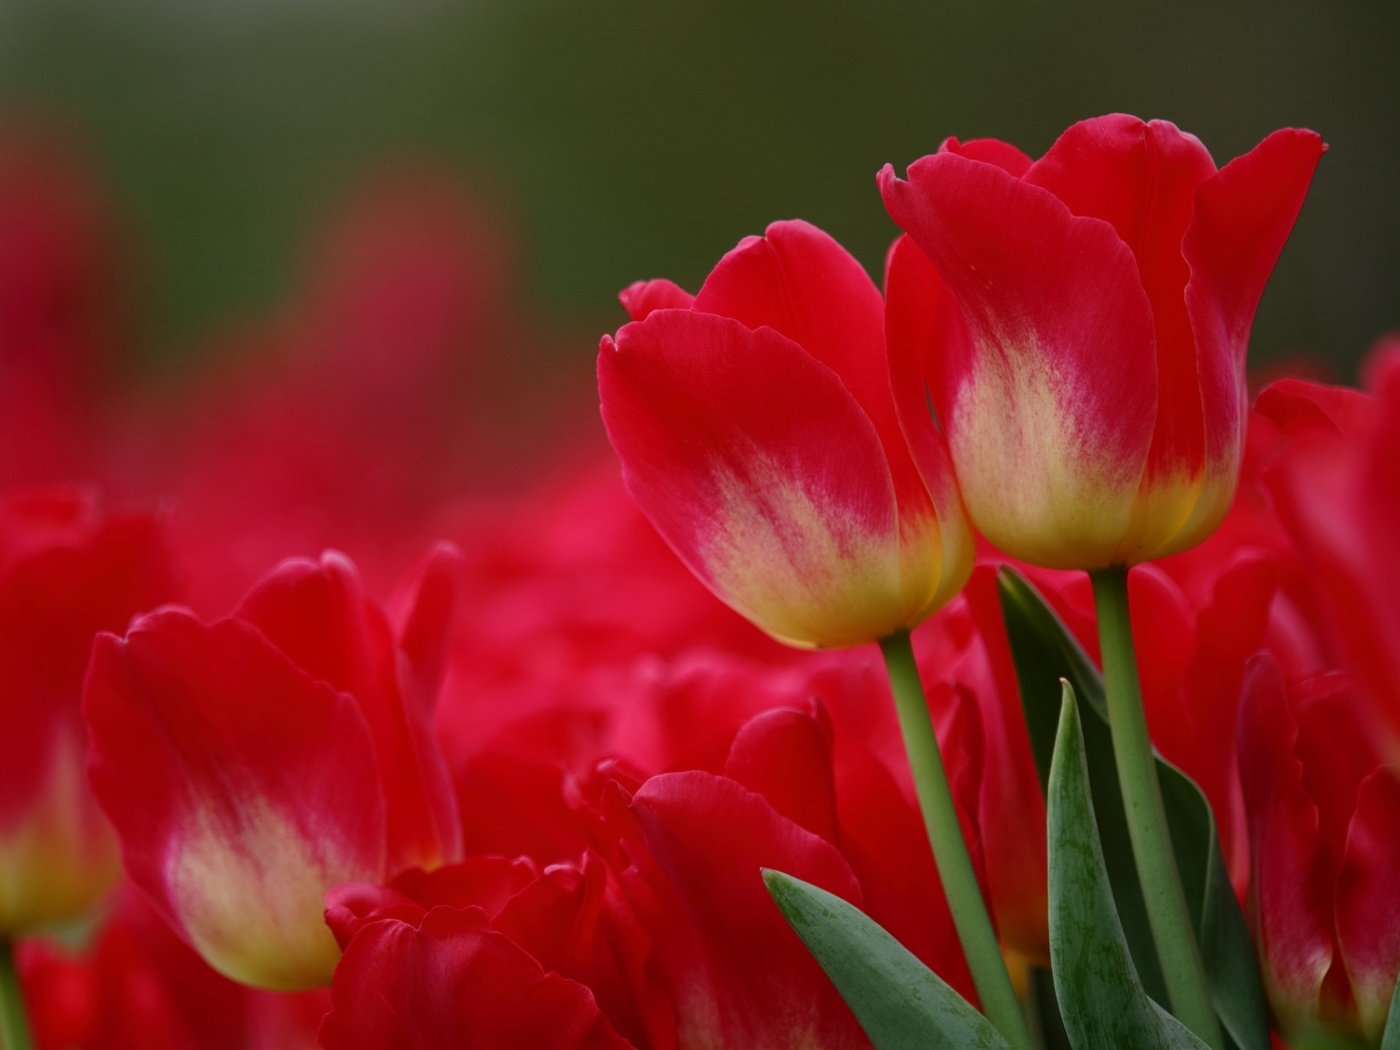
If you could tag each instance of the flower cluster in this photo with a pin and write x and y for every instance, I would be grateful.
(505, 772)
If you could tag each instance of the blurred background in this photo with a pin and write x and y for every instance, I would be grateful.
(634, 139)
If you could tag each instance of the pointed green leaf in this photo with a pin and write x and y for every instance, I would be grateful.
(1101, 999)
(1040, 645)
(900, 1002)
(1044, 651)
(1390, 1038)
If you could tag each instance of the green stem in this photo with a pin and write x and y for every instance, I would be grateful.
(975, 931)
(1173, 933)
(14, 1028)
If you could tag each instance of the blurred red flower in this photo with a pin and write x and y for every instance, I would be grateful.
(66, 573)
(251, 763)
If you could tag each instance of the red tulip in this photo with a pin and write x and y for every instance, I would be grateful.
(252, 763)
(58, 310)
(65, 575)
(697, 843)
(1337, 488)
(1323, 806)
(311, 428)
(784, 785)
(137, 984)
(527, 957)
(1094, 398)
(447, 979)
(757, 431)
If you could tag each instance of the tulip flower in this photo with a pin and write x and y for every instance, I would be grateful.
(65, 575)
(488, 952)
(1095, 402)
(757, 431)
(1337, 489)
(137, 984)
(251, 763)
(1091, 381)
(1323, 806)
(58, 311)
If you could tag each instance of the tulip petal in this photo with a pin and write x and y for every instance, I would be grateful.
(1011, 807)
(724, 946)
(1010, 159)
(1142, 178)
(640, 298)
(785, 756)
(485, 881)
(1230, 629)
(882, 837)
(241, 790)
(577, 922)
(798, 281)
(1291, 893)
(425, 638)
(926, 340)
(64, 576)
(1337, 491)
(801, 283)
(450, 982)
(1051, 420)
(1301, 408)
(318, 615)
(1243, 215)
(760, 470)
(1368, 918)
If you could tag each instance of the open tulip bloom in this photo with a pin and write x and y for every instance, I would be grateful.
(1095, 401)
(252, 763)
(757, 430)
(587, 806)
(1106, 294)
(1063, 353)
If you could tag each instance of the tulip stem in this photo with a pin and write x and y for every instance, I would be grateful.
(974, 925)
(14, 1027)
(1173, 932)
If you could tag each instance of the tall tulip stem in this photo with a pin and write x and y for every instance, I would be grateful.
(1172, 930)
(14, 1027)
(974, 925)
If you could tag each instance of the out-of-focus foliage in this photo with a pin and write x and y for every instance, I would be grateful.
(636, 138)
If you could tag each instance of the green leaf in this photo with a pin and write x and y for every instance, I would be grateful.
(900, 1002)
(1101, 999)
(1390, 1038)
(1044, 651)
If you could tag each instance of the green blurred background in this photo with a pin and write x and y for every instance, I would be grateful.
(636, 139)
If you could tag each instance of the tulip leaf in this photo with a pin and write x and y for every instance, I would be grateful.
(1101, 999)
(900, 1002)
(1044, 651)
(1390, 1038)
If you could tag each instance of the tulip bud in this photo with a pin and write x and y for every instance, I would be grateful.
(757, 431)
(1095, 399)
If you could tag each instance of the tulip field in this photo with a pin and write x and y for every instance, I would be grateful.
(980, 654)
